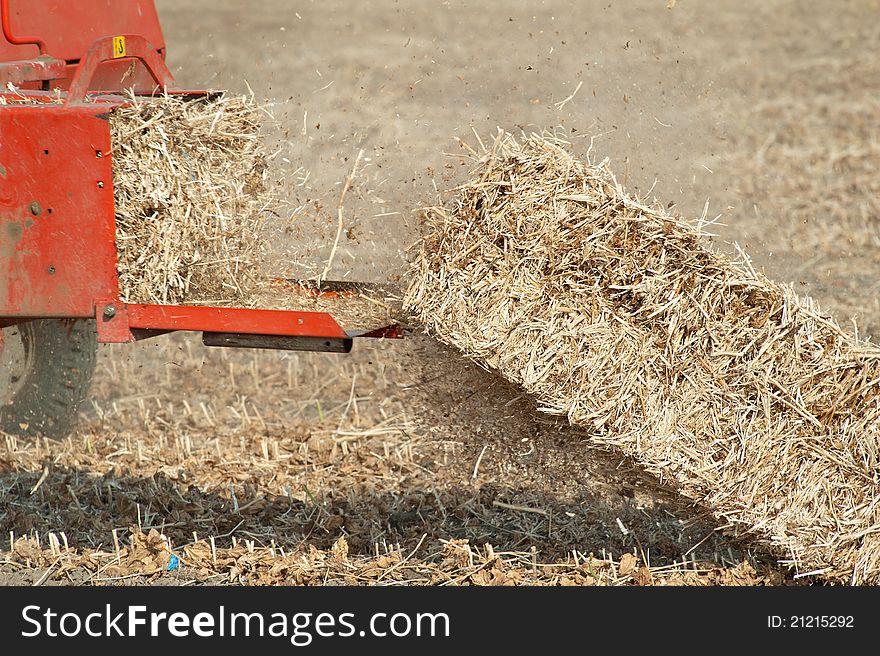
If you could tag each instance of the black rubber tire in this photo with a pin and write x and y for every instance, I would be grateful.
(62, 358)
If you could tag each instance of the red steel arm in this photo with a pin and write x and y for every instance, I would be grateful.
(233, 320)
(102, 50)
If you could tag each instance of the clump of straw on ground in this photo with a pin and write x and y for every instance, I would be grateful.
(191, 189)
(623, 318)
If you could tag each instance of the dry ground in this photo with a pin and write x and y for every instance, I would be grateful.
(767, 111)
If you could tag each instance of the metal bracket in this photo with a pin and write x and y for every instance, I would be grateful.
(278, 342)
(102, 50)
(31, 70)
(111, 321)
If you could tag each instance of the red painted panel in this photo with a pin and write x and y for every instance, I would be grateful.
(57, 226)
(69, 27)
(234, 320)
(9, 52)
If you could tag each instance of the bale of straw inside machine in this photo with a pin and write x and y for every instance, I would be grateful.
(622, 318)
(191, 190)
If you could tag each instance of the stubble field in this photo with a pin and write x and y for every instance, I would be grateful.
(403, 463)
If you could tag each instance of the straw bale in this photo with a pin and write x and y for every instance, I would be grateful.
(623, 318)
(192, 191)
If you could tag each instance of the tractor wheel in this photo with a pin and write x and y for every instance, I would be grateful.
(46, 368)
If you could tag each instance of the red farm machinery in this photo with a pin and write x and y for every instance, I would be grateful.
(59, 292)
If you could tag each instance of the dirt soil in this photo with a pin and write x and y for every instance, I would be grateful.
(404, 463)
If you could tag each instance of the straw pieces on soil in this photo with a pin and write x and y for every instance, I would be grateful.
(621, 317)
(345, 499)
(192, 191)
(145, 558)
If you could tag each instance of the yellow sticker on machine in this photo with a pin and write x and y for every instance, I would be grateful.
(118, 47)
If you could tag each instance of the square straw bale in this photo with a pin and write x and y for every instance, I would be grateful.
(622, 318)
(192, 191)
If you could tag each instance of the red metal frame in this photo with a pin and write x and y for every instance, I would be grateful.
(136, 47)
(57, 218)
(234, 320)
(18, 40)
(57, 226)
(31, 70)
(66, 29)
